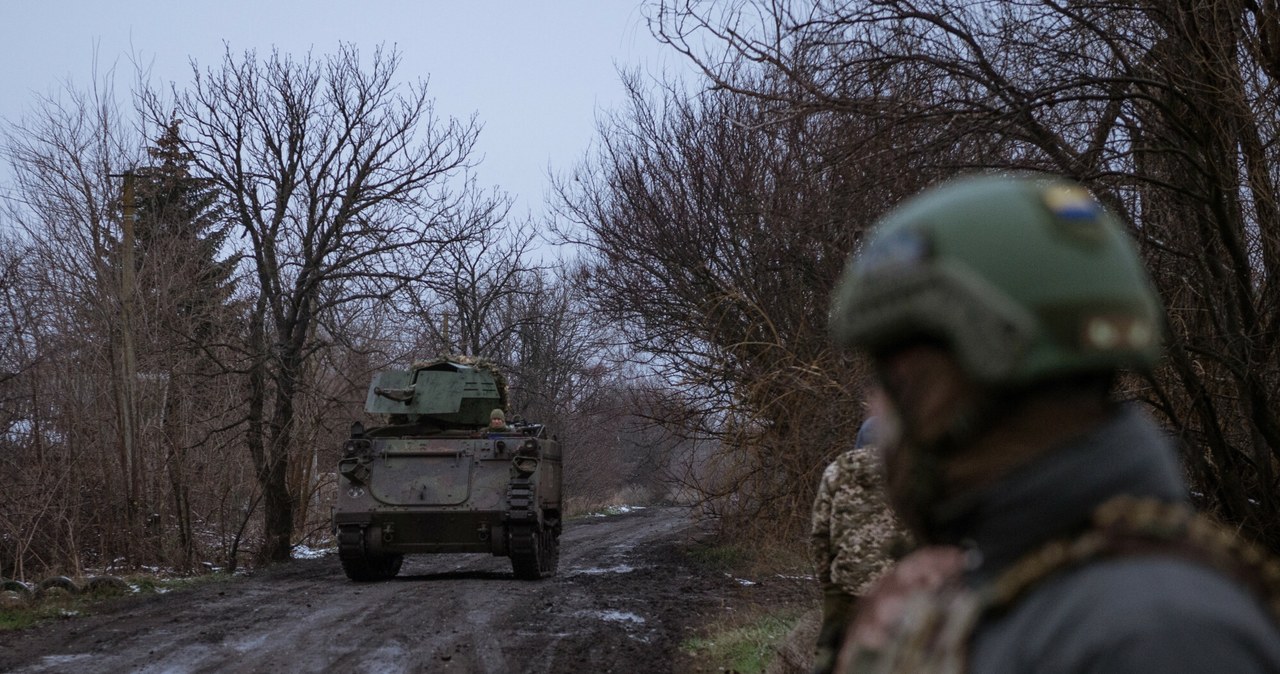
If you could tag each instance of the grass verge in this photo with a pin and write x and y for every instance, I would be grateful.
(759, 622)
(746, 644)
(584, 506)
(19, 611)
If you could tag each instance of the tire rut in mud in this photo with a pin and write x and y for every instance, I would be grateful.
(624, 599)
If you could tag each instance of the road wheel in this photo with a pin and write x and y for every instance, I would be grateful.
(537, 554)
(358, 564)
(526, 548)
(370, 569)
(391, 566)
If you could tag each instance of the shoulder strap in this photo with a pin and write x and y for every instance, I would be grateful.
(1129, 526)
(934, 631)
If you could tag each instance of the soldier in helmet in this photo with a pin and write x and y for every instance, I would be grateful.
(853, 535)
(498, 422)
(1057, 536)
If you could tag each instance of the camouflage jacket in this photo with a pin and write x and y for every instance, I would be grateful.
(852, 524)
(1088, 559)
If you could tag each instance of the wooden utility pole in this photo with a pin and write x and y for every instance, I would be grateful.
(126, 385)
(444, 319)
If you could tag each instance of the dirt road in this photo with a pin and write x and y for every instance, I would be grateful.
(624, 599)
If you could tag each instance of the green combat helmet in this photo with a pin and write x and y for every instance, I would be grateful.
(1025, 278)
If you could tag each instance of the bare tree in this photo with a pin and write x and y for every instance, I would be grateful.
(1168, 110)
(492, 301)
(716, 229)
(563, 373)
(81, 408)
(24, 506)
(459, 311)
(338, 177)
(121, 420)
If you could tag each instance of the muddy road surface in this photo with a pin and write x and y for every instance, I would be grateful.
(624, 599)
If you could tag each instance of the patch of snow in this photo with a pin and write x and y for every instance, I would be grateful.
(301, 551)
(786, 577)
(617, 510)
(595, 571)
(613, 616)
(548, 635)
(746, 583)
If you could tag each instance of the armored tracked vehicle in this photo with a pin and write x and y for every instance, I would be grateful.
(437, 478)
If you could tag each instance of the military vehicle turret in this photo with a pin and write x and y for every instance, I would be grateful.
(437, 479)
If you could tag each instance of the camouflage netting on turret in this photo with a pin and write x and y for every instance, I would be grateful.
(477, 362)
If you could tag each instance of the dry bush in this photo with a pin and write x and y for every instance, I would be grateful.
(716, 225)
(1167, 110)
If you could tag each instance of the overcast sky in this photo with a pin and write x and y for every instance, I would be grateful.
(537, 73)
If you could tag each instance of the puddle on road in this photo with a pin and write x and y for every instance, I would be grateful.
(612, 616)
(58, 661)
(629, 621)
(544, 635)
(621, 617)
(389, 657)
(251, 643)
(741, 581)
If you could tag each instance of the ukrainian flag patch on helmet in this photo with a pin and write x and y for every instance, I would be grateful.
(1070, 202)
(902, 249)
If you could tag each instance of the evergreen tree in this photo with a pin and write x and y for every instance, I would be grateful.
(184, 283)
(181, 230)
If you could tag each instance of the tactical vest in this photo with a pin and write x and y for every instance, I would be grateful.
(936, 628)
